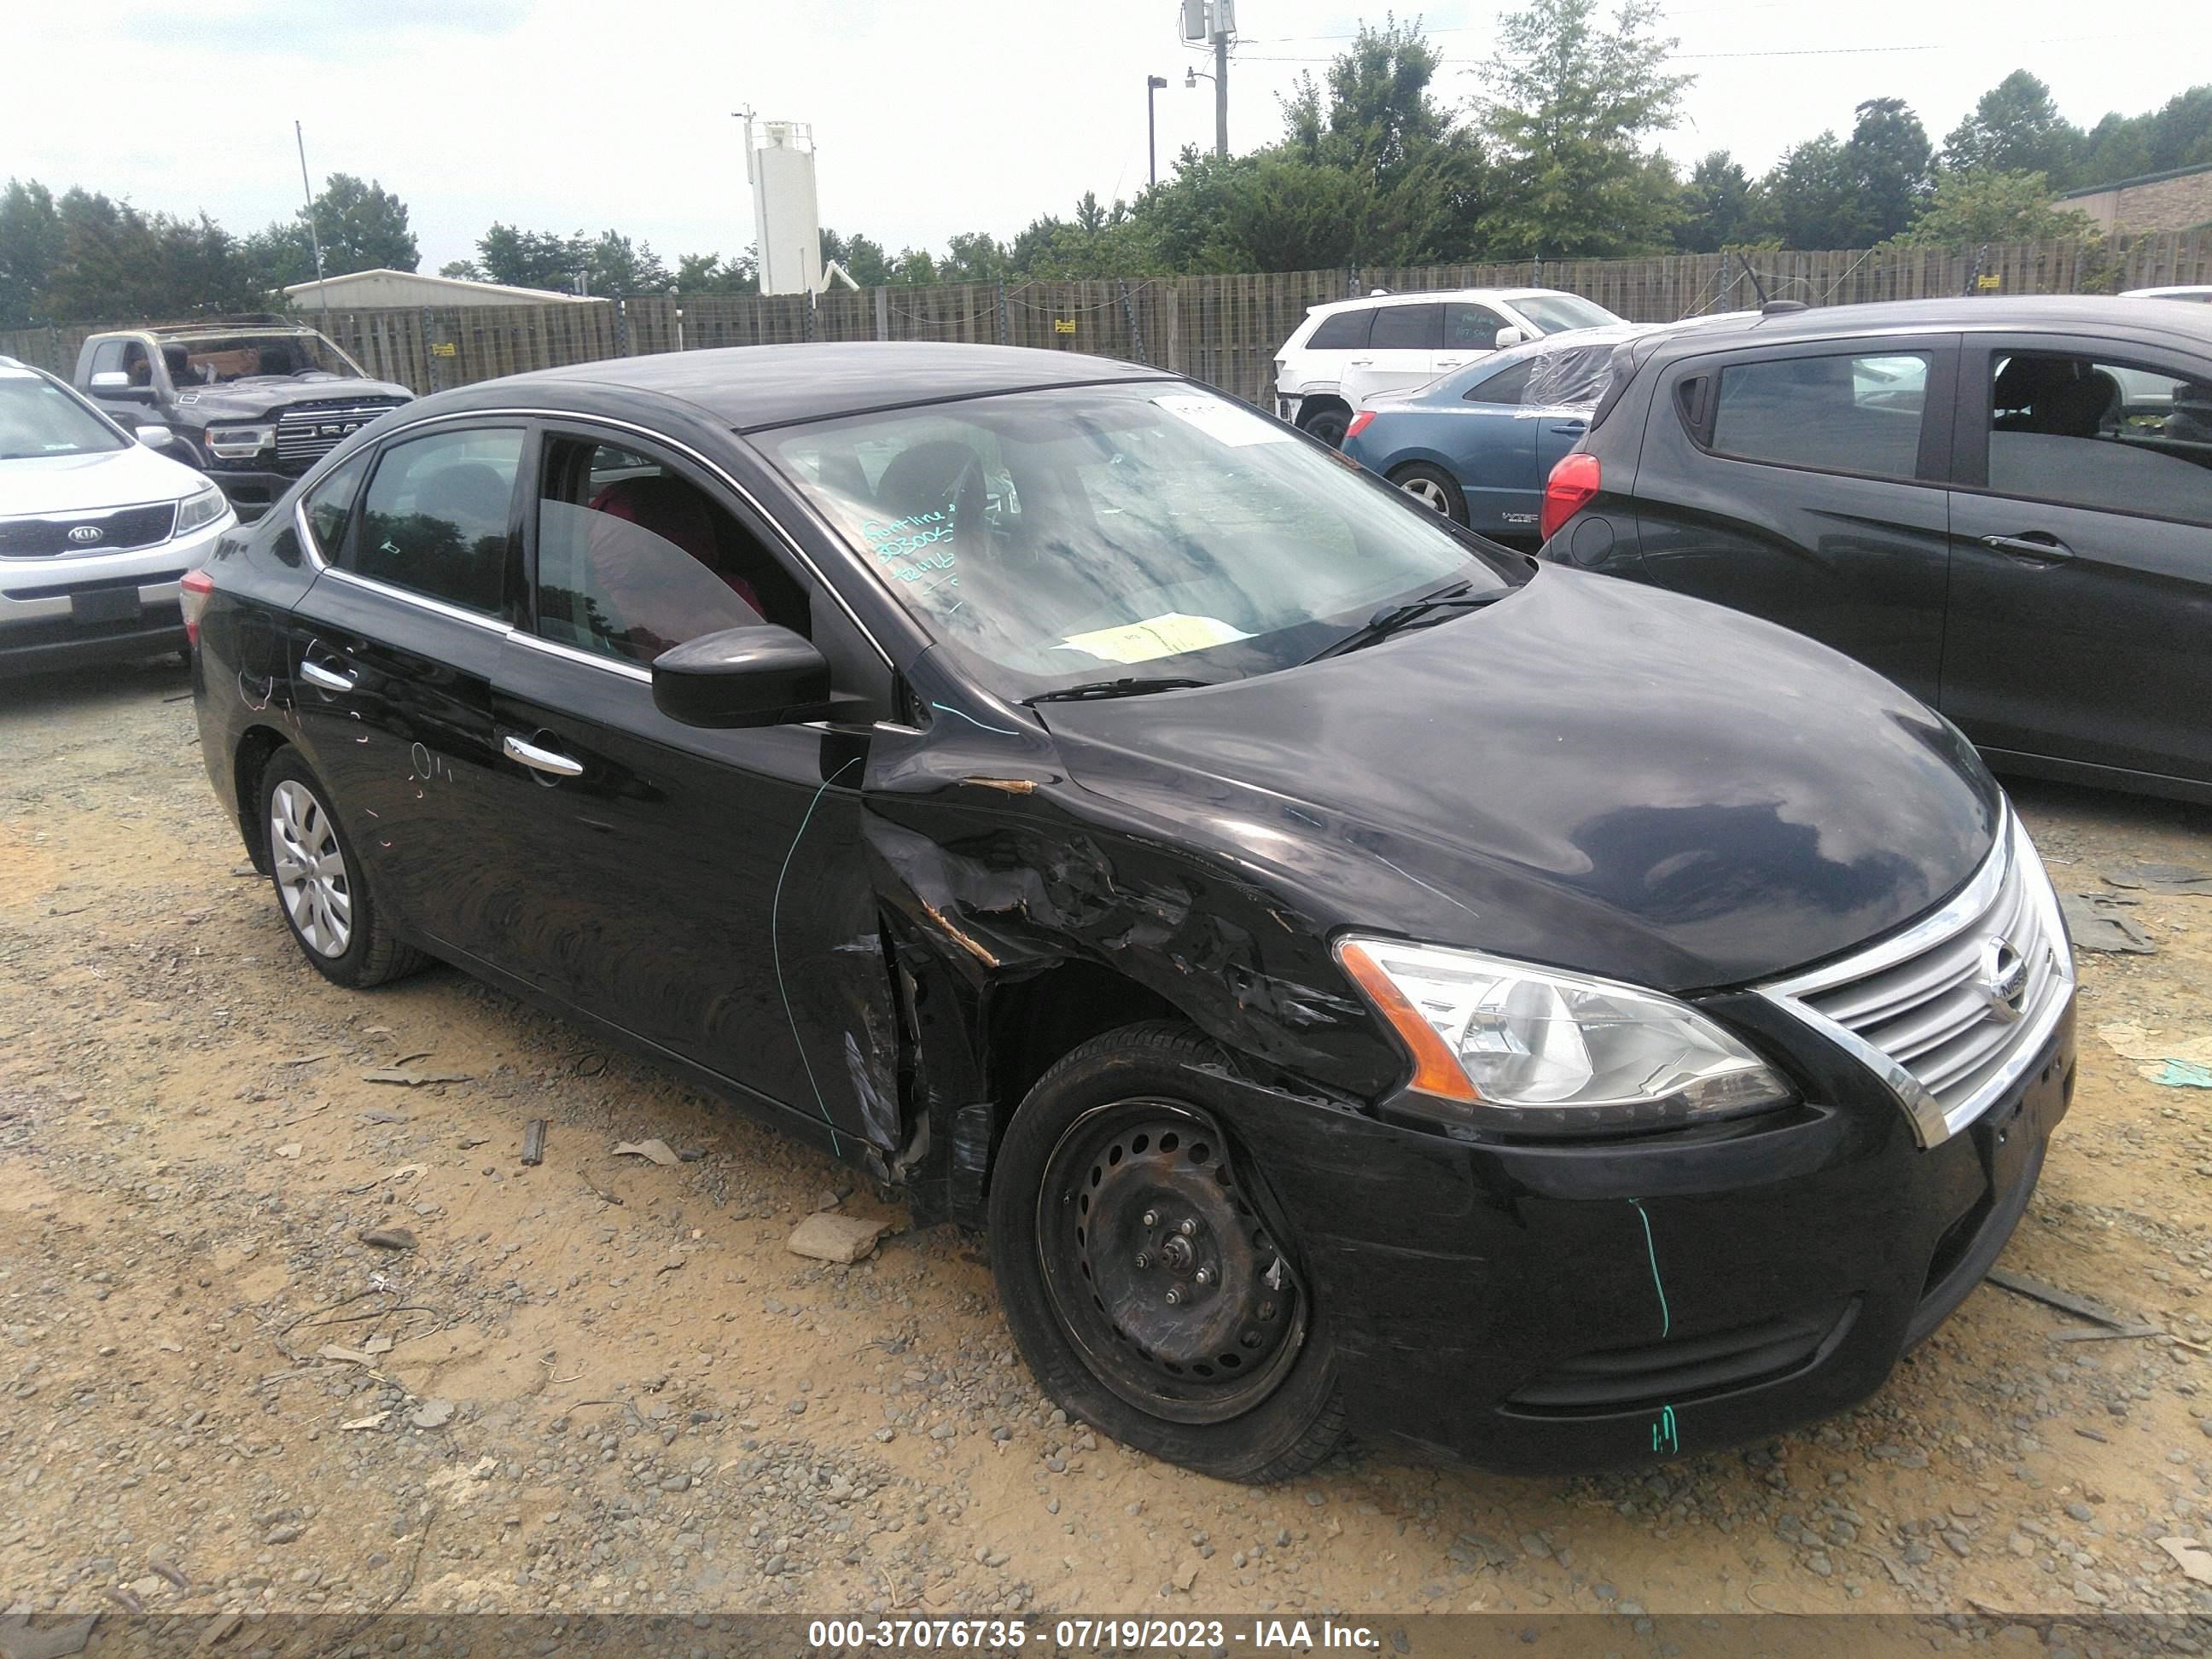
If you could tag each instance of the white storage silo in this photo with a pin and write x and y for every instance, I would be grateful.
(785, 217)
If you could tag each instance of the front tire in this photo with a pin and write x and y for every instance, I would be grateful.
(1143, 1287)
(322, 892)
(1434, 488)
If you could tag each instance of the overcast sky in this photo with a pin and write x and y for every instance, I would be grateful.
(928, 119)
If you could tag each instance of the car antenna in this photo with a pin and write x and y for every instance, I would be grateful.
(1758, 286)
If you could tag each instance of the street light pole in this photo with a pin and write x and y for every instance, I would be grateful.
(1152, 84)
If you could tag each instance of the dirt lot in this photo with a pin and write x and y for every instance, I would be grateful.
(605, 1384)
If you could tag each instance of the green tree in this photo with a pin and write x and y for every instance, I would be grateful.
(1987, 204)
(614, 264)
(1890, 161)
(1574, 98)
(709, 273)
(1813, 194)
(1721, 206)
(30, 249)
(975, 255)
(1378, 113)
(531, 258)
(862, 256)
(2015, 127)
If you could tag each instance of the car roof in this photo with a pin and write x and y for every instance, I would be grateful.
(2051, 313)
(749, 387)
(1421, 295)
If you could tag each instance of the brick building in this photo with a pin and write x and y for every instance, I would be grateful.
(2178, 200)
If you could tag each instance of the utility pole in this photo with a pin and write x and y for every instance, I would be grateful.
(1215, 19)
(314, 242)
(1221, 24)
(1152, 85)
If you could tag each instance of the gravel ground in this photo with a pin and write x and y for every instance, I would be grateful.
(605, 1384)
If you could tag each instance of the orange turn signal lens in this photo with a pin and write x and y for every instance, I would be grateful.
(1436, 1072)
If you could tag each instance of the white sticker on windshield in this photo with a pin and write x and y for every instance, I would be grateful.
(1168, 635)
(1222, 420)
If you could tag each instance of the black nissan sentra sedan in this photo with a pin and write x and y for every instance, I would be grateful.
(1361, 978)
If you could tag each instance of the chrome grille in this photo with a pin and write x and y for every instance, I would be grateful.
(121, 529)
(309, 432)
(1952, 1010)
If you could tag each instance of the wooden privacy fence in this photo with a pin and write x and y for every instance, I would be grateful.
(1223, 330)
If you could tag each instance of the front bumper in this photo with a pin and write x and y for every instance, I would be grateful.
(105, 607)
(1539, 1309)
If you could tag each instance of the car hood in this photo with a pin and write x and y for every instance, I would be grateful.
(257, 399)
(79, 483)
(1589, 773)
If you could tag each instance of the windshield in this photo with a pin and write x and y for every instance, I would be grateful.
(37, 418)
(1553, 313)
(1059, 538)
(217, 361)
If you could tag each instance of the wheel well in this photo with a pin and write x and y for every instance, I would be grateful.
(1322, 403)
(254, 748)
(1033, 1023)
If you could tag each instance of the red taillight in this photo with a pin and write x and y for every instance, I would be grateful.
(192, 591)
(1359, 424)
(1577, 478)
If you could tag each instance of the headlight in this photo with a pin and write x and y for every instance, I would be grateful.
(204, 508)
(235, 443)
(1517, 1049)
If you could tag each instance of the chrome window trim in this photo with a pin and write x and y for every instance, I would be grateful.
(1931, 1124)
(582, 418)
(574, 654)
(422, 601)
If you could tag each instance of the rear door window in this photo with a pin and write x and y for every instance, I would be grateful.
(1834, 413)
(1344, 330)
(330, 504)
(437, 517)
(1408, 328)
(1507, 385)
(2113, 436)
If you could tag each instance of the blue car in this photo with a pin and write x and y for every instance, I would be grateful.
(1477, 444)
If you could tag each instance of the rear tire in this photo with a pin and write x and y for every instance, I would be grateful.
(1328, 425)
(1434, 488)
(322, 892)
(1141, 1285)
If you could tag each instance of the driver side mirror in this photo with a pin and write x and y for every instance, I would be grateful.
(741, 676)
(1509, 337)
(114, 383)
(154, 436)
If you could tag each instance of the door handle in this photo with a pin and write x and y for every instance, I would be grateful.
(1573, 427)
(540, 760)
(327, 679)
(2036, 547)
(1360, 362)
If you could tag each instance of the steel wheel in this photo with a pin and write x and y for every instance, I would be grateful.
(311, 869)
(1162, 1272)
(1429, 493)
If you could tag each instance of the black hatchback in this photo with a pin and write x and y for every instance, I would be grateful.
(1358, 975)
(2003, 505)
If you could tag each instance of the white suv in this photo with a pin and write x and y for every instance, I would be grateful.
(96, 529)
(1385, 341)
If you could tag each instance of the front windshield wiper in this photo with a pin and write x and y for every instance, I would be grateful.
(1092, 691)
(1393, 617)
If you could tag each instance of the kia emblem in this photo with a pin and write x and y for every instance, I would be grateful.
(84, 535)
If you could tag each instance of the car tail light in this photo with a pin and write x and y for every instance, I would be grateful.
(1577, 478)
(192, 593)
(1359, 423)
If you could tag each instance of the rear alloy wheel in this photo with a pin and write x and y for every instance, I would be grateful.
(321, 890)
(1434, 488)
(1147, 1290)
(1328, 425)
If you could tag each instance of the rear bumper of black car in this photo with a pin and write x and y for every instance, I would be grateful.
(1548, 1308)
